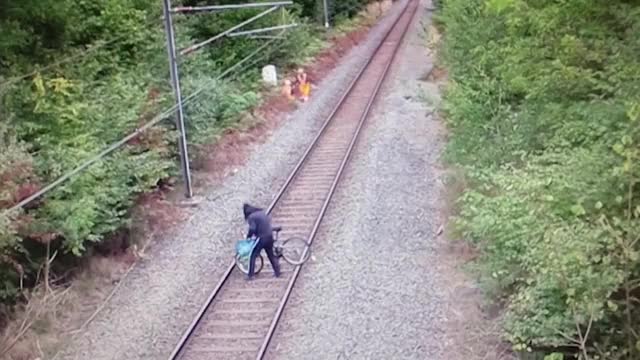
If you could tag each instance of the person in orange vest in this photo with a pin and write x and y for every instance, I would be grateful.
(304, 85)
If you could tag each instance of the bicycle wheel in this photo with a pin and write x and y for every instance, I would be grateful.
(293, 250)
(242, 263)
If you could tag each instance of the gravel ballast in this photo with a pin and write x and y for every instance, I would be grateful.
(375, 289)
(157, 301)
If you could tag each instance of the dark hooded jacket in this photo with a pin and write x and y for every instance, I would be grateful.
(259, 222)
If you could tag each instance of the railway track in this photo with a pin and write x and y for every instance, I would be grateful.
(239, 318)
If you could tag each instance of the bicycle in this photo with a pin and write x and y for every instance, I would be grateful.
(295, 250)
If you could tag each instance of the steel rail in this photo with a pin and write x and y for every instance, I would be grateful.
(184, 340)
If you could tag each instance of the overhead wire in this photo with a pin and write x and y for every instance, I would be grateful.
(254, 60)
(187, 99)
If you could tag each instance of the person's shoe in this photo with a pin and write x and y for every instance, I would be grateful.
(276, 275)
(248, 278)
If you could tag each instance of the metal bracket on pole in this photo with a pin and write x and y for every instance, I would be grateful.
(175, 82)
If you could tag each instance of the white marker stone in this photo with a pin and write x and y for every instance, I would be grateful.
(269, 75)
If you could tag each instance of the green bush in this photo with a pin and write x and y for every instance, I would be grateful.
(337, 9)
(16, 179)
(544, 108)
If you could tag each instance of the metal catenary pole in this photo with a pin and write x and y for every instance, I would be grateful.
(175, 82)
(326, 13)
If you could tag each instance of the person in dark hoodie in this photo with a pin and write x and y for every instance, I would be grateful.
(260, 227)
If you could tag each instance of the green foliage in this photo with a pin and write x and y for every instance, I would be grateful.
(554, 356)
(16, 180)
(35, 31)
(218, 108)
(345, 8)
(337, 9)
(10, 269)
(543, 105)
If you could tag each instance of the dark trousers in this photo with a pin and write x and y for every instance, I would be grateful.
(265, 243)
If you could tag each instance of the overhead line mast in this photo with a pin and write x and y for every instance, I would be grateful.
(173, 53)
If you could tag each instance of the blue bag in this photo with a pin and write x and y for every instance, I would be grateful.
(245, 247)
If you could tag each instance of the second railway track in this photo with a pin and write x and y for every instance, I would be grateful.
(239, 318)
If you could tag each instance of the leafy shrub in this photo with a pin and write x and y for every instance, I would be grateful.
(17, 181)
(337, 9)
(217, 109)
(543, 105)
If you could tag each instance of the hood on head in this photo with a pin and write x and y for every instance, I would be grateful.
(248, 210)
